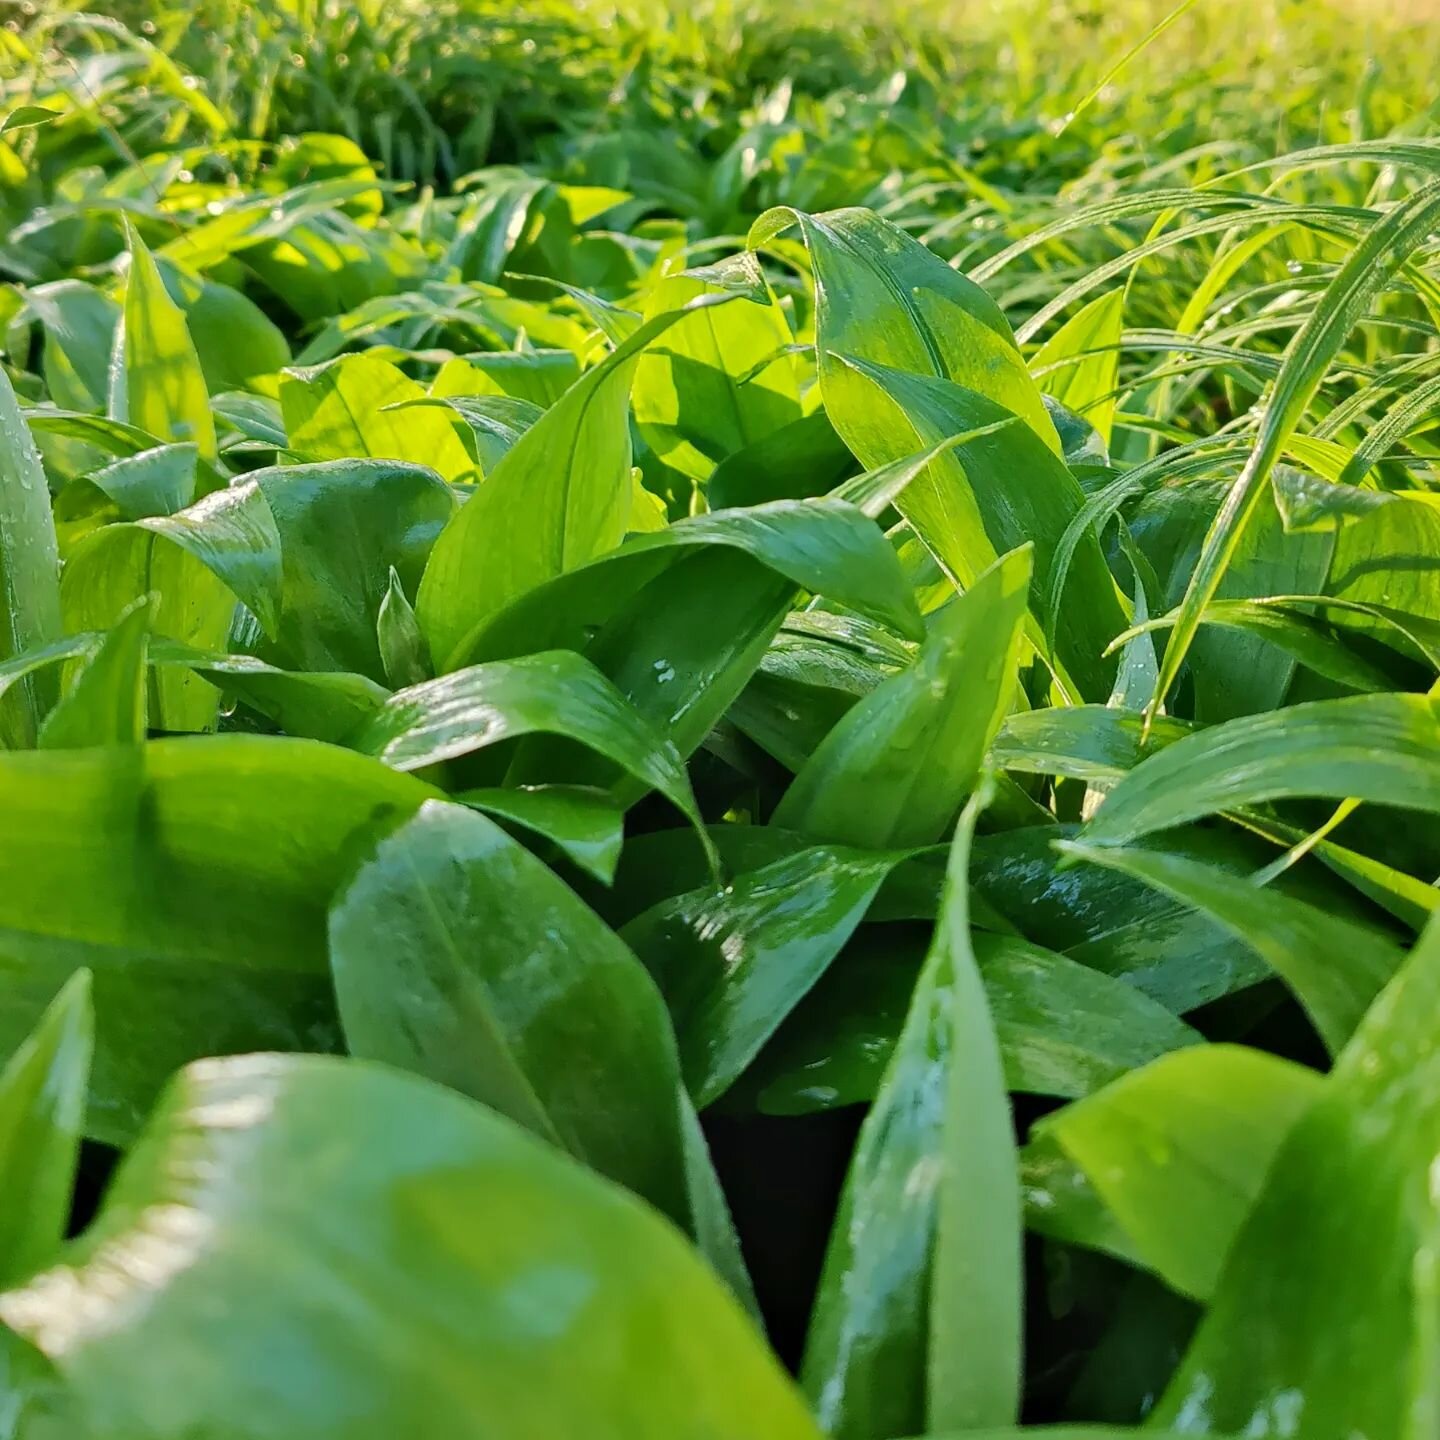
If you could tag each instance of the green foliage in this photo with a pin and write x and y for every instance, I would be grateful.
(686, 697)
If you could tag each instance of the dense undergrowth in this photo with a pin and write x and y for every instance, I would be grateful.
(826, 627)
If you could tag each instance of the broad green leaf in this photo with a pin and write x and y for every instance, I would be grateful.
(118, 564)
(156, 381)
(1387, 559)
(683, 647)
(45, 657)
(539, 376)
(344, 409)
(1096, 743)
(23, 117)
(934, 1132)
(105, 703)
(29, 565)
(803, 458)
(113, 437)
(158, 481)
(192, 878)
(825, 546)
(488, 234)
(1114, 923)
(238, 346)
(313, 705)
(882, 297)
(585, 824)
(1242, 672)
(555, 692)
(1335, 966)
(308, 549)
(492, 423)
(732, 963)
(971, 505)
(1384, 748)
(720, 380)
(1162, 1166)
(79, 321)
(459, 956)
(1063, 1028)
(1344, 1227)
(815, 670)
(558, 498)
(1385, 246)
(896, 770)
(477, 1261)
(1080, 363)
(42, 1111)
(1308, 503)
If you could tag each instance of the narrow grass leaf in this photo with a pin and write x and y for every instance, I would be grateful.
(1381, 748)
(1383, 249)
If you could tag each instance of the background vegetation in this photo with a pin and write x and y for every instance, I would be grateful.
(719, 724)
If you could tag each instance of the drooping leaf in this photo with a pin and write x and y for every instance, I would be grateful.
(153, 482)
(1383, 748)
(586, 825)
(1095, 743)
(883, 297)
(1335, 966)
(1063, 1028)
(558, 498)
(824, 546)
(556, 692)
(970, 506)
